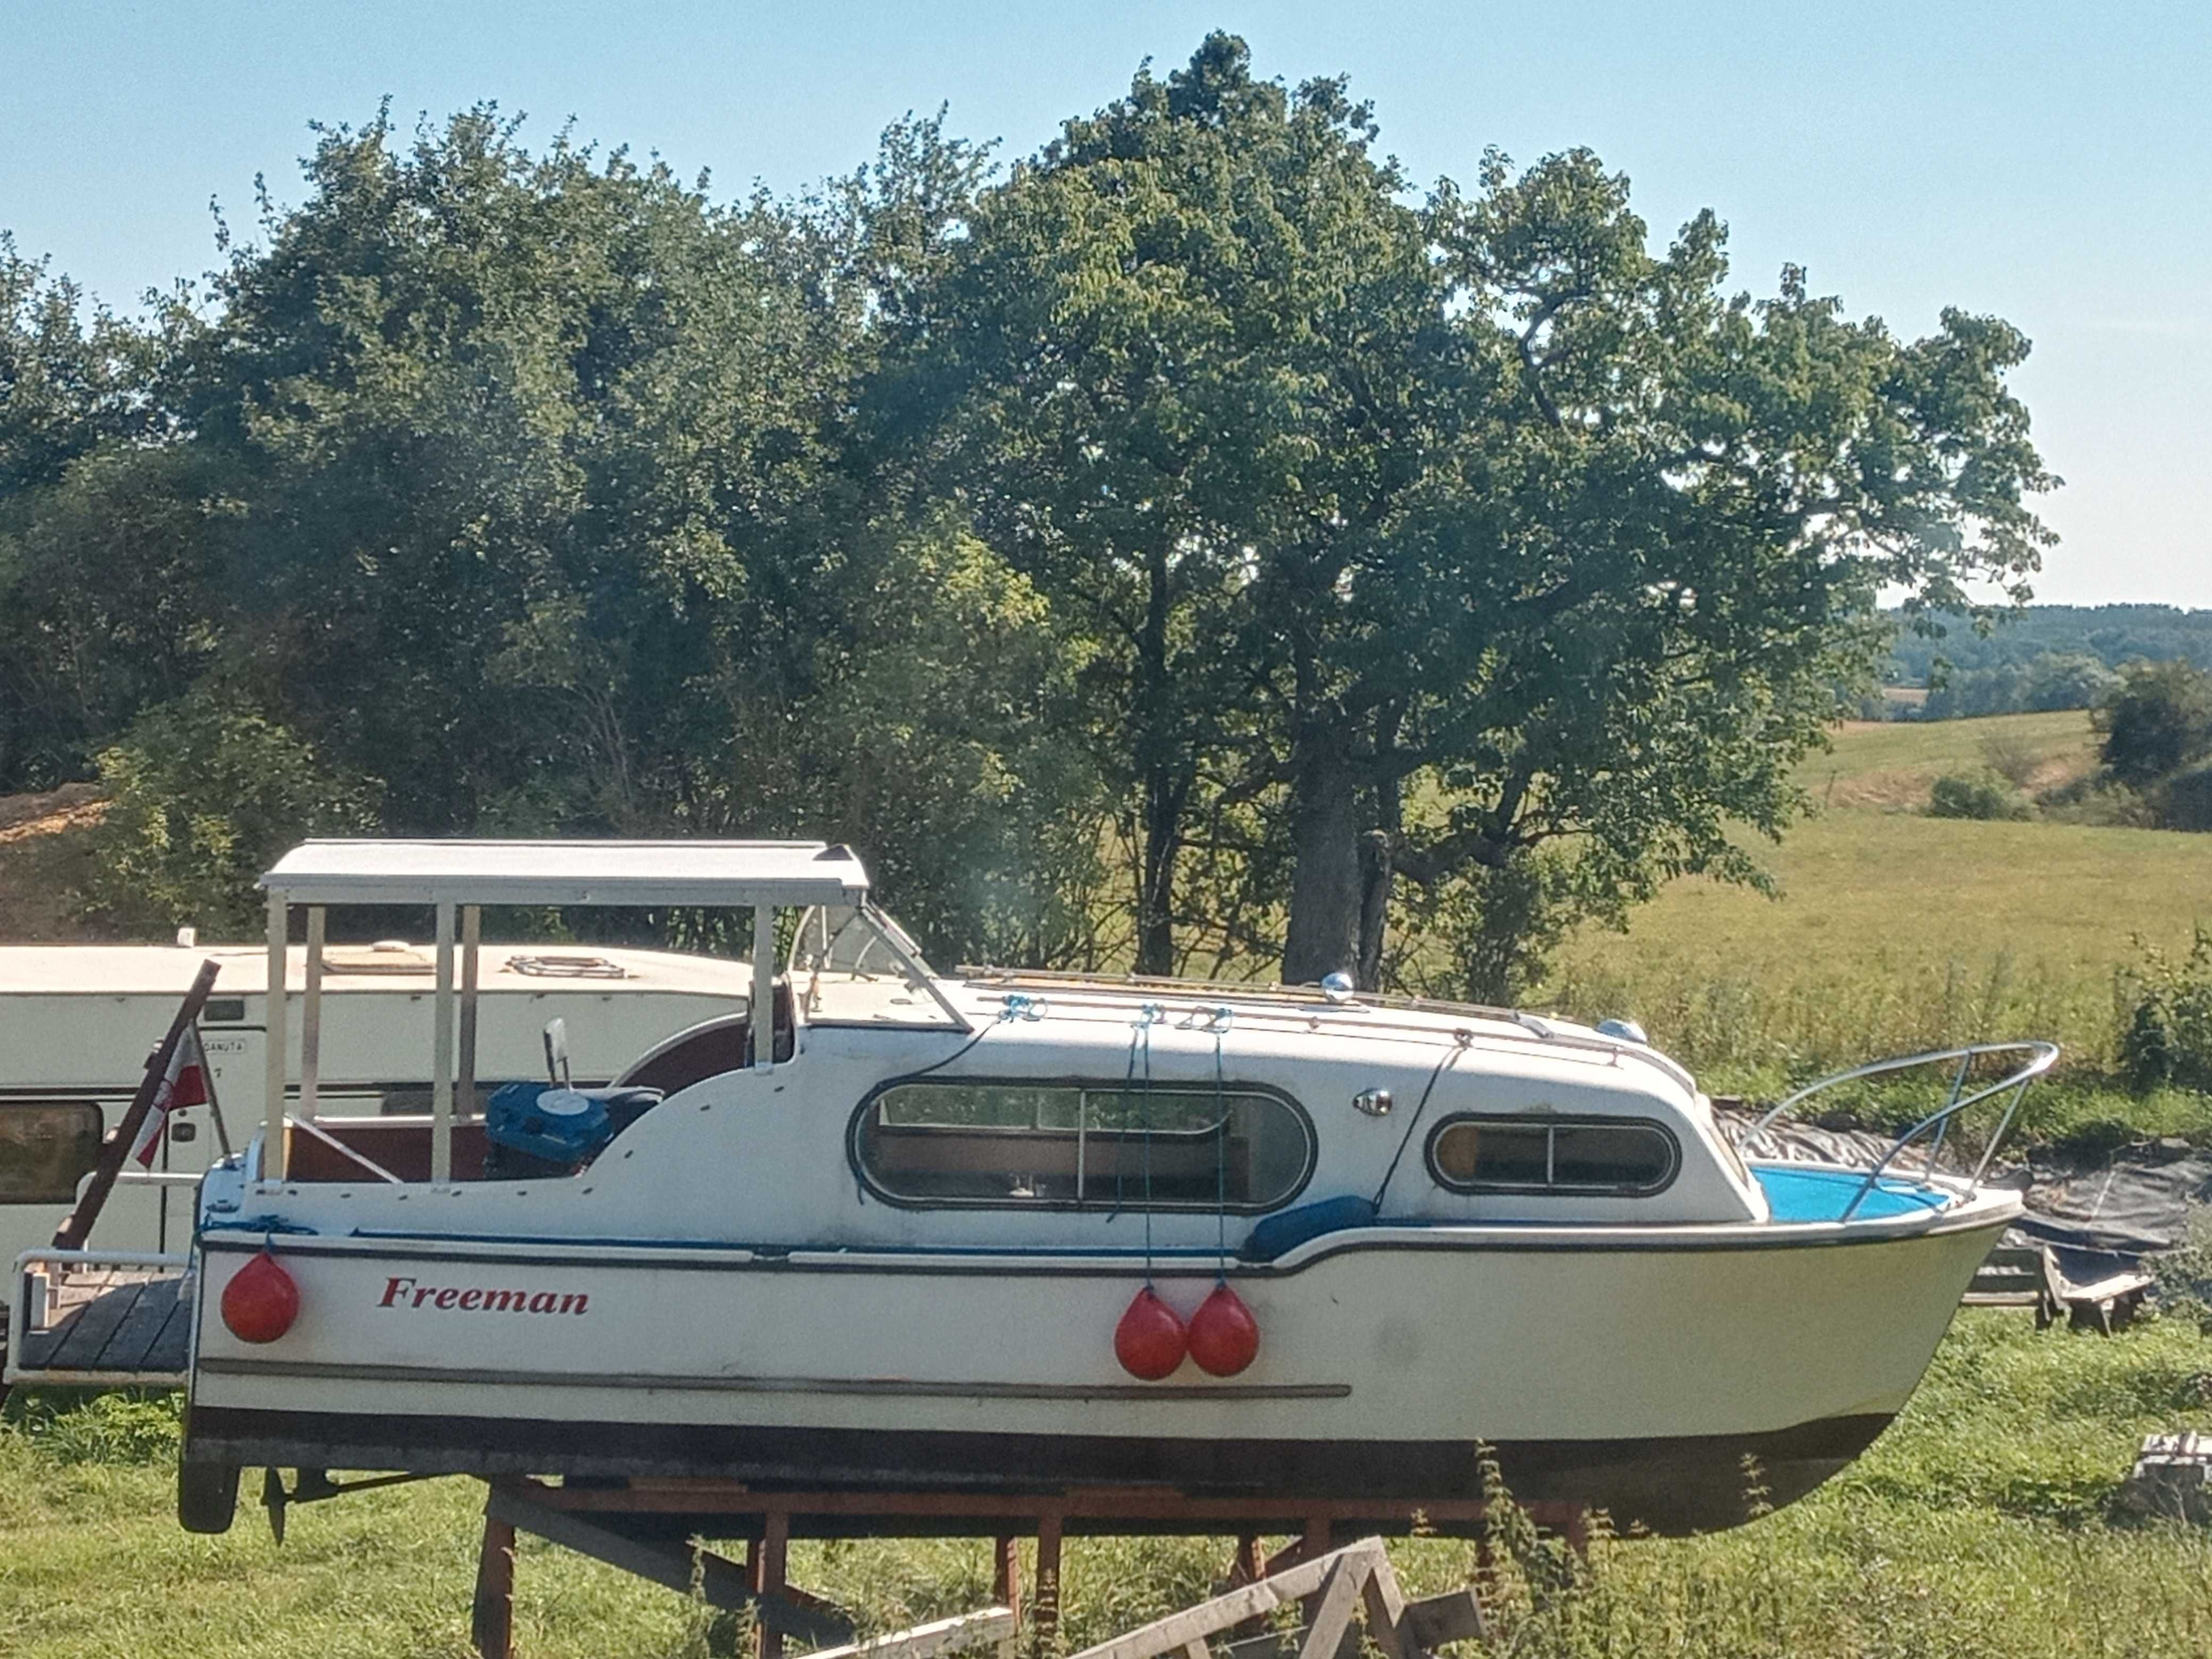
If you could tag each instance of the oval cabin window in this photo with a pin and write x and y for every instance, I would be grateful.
(1074, 1146)
(1619, 1156)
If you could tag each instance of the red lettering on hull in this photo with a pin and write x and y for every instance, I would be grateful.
(404, 1293)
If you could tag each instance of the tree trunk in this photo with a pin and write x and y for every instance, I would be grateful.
(1375, 873)
(1326, 889)
(1161, 832)
(1159, 749)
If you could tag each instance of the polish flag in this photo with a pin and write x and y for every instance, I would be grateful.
(184, 1083)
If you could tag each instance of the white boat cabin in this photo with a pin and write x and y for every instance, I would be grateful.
(865, 1099)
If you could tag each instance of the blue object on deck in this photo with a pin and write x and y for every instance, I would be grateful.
(1801, 1194)
(1286, 1232)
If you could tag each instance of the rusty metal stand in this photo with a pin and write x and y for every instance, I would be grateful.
(491, 1617)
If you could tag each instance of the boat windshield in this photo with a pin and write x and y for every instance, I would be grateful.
(852, 964)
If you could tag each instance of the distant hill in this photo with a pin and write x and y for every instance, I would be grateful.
(2112, 633)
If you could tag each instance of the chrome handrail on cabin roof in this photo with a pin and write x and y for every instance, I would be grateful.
(1261, 990)
(2041, 1057)
(1312, 1001)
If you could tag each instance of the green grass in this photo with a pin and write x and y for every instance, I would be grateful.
(1975, 1527)
(1894, 932)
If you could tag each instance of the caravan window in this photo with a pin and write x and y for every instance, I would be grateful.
(1086, 1146)
(46, 1148)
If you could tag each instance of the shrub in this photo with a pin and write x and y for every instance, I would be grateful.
(2184, 801)
(1979, 794)
(2168, 1037)
(2157, 720)
(205, 793)
(107, 1428)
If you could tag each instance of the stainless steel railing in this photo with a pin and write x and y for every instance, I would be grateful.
(2039, 1058)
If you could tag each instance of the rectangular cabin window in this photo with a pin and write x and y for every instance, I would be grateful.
(1074, 1146)
(46, 1148)
(1617, 1156)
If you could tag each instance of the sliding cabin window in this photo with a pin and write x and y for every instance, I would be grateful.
(1621, 1156)
(1082, 1146)
(46, 1148)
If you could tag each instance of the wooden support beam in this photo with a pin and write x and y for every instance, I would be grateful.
(1251, 1563)
(1046, 1622)
(1437, 1621)
(77, 1225)
(772, 1557)
(721, 1582)
(491, 1616)
(1250, 1601)
(994, 1625)
(1328, 1622)
(1006, 1573)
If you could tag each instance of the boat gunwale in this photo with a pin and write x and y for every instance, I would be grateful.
(1984, 1209)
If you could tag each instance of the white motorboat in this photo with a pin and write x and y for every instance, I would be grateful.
(895, 1230)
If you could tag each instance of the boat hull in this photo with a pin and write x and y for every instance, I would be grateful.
(1635, 1375)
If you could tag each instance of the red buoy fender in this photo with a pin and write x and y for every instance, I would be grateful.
(1149, 1341)
(1225, 1338)
(261, 1301)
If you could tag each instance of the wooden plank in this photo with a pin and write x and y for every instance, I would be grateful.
(134, 1338)
(89, 1331)
(1339, 1600)
(723, 1582)
(1436, 1621)
(73, 1231)
(171, 1348)
(966, 1629)
(1249, 1601)
(1386, 1612)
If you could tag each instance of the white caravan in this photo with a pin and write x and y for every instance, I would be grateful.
(77, 1021)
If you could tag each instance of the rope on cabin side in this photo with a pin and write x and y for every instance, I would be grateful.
(1461, 1039)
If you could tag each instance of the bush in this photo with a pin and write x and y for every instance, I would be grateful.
(107, 1428)
(2184, 801)
(2156, 721)
(1982, 792)
(206, 792)
(2169, 1031)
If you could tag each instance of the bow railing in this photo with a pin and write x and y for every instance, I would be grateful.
(2038, 1057)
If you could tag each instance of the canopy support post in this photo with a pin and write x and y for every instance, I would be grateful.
(441, 1055)
(763, 1009)
(272, 1138)
(471, 938)
(311, 1015)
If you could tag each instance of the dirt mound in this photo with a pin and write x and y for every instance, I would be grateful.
(24, 816)
(43, 850)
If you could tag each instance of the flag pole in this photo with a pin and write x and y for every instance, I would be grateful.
(71, 1234)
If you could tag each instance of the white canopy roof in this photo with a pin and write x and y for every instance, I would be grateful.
(591, 872)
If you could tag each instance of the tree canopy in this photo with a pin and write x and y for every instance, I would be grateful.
(1192, 546)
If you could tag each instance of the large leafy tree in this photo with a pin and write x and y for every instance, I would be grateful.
(1627, 596)
(1172, 347)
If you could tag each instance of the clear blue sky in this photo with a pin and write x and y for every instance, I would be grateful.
(2048, 162)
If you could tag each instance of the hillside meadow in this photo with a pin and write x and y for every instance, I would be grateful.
(1891, 931)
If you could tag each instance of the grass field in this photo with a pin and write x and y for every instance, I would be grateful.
(1976, 1527)
(1893, 930)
